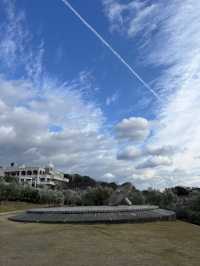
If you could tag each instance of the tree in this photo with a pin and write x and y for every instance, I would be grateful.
(53, 197)
(72, 197)
(153, 197)
(96, 196)
(11, 179)
(195, 203)
(181, 191)
(136, 197)
(169, 199)
(77, 181)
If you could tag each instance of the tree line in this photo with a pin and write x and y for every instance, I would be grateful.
(85, 191)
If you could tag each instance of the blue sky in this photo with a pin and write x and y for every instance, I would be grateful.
(71, 48)
(66, 98)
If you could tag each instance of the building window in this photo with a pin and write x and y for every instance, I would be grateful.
(35, 172)
(23, 173)
(29, 173)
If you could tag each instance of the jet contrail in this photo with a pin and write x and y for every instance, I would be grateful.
(122, 60)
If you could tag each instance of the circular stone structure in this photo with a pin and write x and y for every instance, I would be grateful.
(95, 214)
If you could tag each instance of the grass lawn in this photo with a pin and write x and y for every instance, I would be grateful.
(151, 244)
(8, 206)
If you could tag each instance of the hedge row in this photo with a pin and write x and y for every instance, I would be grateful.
(15, 192)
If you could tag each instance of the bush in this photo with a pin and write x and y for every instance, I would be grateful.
(168, 200)
(3, 191)
(96, 196)
(136, 197)
(11, 179)
(15, 192)
(2, 179)
(181, 213)
(195, 203)
(188, 215)
(181, 191)
(72, 198)
(51, 197)
(153, 197)
(194, 217)
(9, 192)
(29, 194)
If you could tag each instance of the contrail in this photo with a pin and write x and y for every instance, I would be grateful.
(121, 59)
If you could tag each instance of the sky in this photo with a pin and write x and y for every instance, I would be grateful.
(116, 99)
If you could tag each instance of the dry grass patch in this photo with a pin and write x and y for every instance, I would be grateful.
(8, 206)
(159, 243)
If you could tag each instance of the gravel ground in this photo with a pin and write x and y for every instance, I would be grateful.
(149, 244)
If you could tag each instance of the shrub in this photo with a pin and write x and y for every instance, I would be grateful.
(96, 196)
(9, 191)
(181, 213)
(181, 191)
(51, 197)
(15, 192)
(58, 197)
(169, 199)
(195, 203)
(11, 179)
(153, 197)
(29, 194)
(136, 197)
(72, 197)
(3, 191)
(2, 179)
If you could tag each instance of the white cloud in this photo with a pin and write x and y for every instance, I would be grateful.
(115, 9)
(79, 147)
(32, 109)
(133, 128)
(3, 107)
(30, 106)
(15, 51)
(168, 32)
(112, 99)
(108, 177)
(179, 115)
(129, 153)
(161, 150)
(12, 41)
(132, 152)
(6, 134)
(155, 161)
(133, 17)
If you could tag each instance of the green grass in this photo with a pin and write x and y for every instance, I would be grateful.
(151, 244)
(8, 206)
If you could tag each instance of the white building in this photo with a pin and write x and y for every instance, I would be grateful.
(36, 176)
